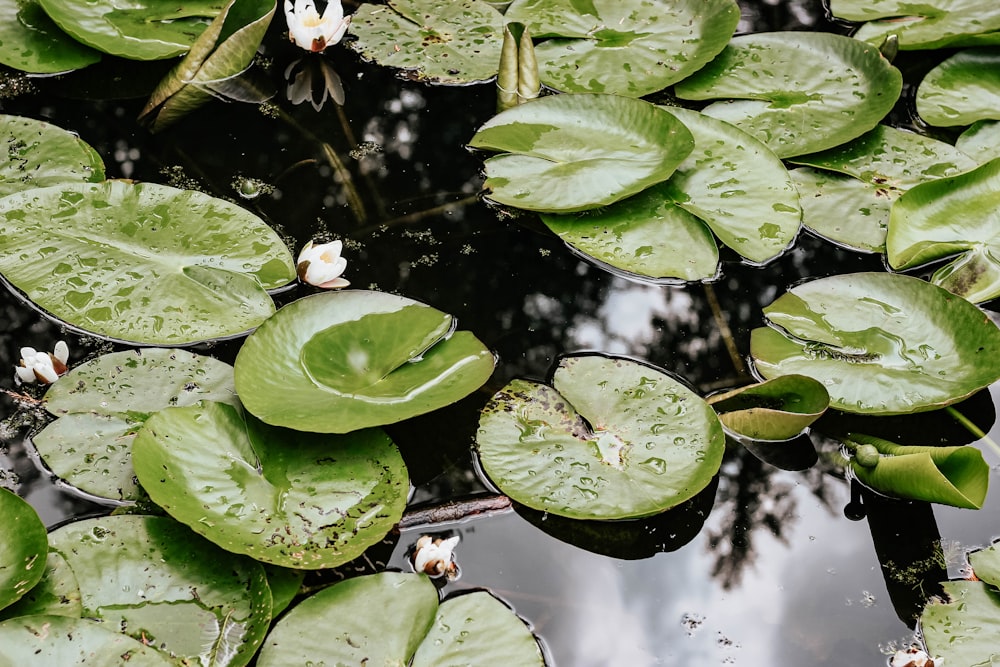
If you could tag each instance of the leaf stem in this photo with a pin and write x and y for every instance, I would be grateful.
(973, 429)
(724, 330)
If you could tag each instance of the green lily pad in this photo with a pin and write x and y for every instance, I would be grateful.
(624, 47)
(44, 641)
(55, 594)
(610, 439)
(964, 629)
(880, 343)
(142, 262)
(153, 579)
(952, 216)
(566, 153)
(986, 564)
(139, 29)
(930, 24)
(285, 584)
(23, 549)
(981, 141)
(441, 41)
(289, 498)
(341, 361)
(797, 92)
(31, 42)
(41, 154)
(101, 405)
(843, 209)
(963, 89)
(777, 409)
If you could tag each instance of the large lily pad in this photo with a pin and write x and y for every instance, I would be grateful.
(41, 154)
(294, 499)
(155, 580)
(142, 262)
(797, 92)
(777, 409)
(566, 153)
(139, 29)
(55, 594)
(44, 641)
(341, 361)
(624, 47)
(952, 216)
(23, 549)
(963, 630)
(104, 402)
(930, 24)
(31, 42)
(610, 439)
(962, 90)
(880, 343)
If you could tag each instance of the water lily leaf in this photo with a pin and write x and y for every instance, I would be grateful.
(963, 89)
(610, 439)
(880, 343)
(963, 630)
(153, 579)
(23, 549)
(140, 29)
(284, 583)
(776, 409)
(477, 629)
(223, 51)
(289, 498)
(566, 153)
(31, 42)
(104, 402)
(986, 564)
(441, 41)
(981, 141)
(56, 593)
(377, 619)
(930, 24)
(624, 47)
(43, 641)
(797, 92)
(142, 262)
(346, 360)
(41, 154)
(843, 209)
(947, 217)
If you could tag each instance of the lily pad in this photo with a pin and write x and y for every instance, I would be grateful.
(31, 42)
(963, 630)
(101, 405)
(986, 564)
(981, 141)
(23, 549)
(289, 498)
(440, 41)
(777, 409)
(797, 92)
(142, 262)
(43, 641)
(155, 580)
(881, 343)
(952, 216)
(139, 29)
(341, 361)
(624, 47)
(843, 209)
(566, 153)
(930, 24)
(963, 89)
(55, 594)
(41, 154)
(610, 439)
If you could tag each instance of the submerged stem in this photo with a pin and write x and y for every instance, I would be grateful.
(973, 429)
(724, 330)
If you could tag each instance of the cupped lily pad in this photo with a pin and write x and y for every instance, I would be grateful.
(289, 498)
(986, 564)
(624, 47)
(138, 29)
(142, 262)
(952, 216)
(23, 549)
(963, 89)
(341, 361)
(963, 630)
(929, 24)
(881, 343)
(611, 438)
(44, 641)
(777, 409)
(566, 153)
(31, 42)
(41, 154)
(797, 92)
(153, 579)
(101, 405)
(981, 141)
(56, 594)
(440, 41)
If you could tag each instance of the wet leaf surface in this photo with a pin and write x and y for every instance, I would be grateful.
(23, 549)
(964, 629)
(963, 89)
(41, 154)
(44, 641)
(776, 409)
(31, 42)
(925, 25)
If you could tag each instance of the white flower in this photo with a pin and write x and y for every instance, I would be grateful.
(434, 556)
(914, 657)
(306, 28)
(321, 265)
(43, 366)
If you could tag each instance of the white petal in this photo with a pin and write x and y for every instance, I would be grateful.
(28, 353)
(62, 352)
(334, 11)
(45, 370)
(26, 374)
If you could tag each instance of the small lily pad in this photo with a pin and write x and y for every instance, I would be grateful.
(963, 89)
(842, 209)
(610, 439)
(23, 549)
(56, 594)
(981, 141)
(41, 154)
(986, 564)
(963, 630)
(31, 42)
(44, 641)
(930, 24)
(776, 409)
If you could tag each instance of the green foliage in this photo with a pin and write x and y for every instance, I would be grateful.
(930, 24)
(963, 89)
(776, 409)
(40, 154)
(31, 42)
(22, 551)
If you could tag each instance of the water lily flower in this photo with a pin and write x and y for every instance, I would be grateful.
(321, 265)
(306, 28)
(45, 367)
(913, 657)
(434, 557)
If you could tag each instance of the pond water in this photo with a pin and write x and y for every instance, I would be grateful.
(764, 568)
